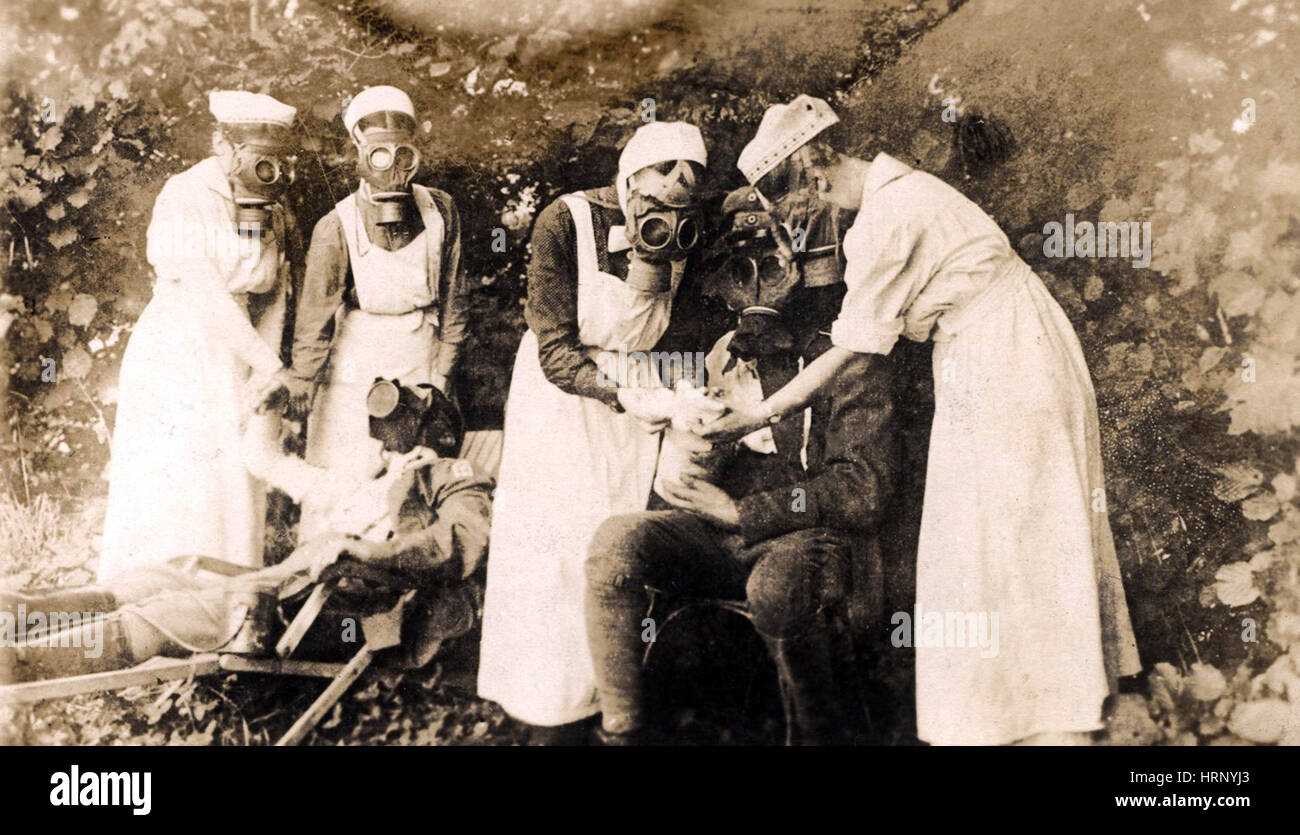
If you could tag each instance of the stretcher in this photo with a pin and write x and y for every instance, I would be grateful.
(381, 630)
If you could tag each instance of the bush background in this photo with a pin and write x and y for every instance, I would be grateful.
(1120, 111)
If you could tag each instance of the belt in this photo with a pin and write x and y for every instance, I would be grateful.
(996, 293)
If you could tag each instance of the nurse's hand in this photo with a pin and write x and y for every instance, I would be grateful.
(708, 500)
(650, 407)
(282, 392)
(735, 424)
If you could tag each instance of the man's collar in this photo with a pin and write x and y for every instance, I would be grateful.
(882, 170)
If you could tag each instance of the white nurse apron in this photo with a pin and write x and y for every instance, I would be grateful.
(391, 334)
(569, 462)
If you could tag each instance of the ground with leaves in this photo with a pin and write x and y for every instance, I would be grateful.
(1120, 111)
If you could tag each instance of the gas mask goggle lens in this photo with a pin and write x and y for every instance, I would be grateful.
(663, 223)
(401, 157)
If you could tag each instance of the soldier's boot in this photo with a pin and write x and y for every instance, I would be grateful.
(809, 689)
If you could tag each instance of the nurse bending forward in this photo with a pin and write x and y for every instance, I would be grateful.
(1010, 527)
(205, 352)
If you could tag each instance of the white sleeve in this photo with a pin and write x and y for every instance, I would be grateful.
(177, 245)
(880, 273)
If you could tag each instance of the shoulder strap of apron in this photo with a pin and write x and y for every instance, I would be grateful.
(347, 211)
(584, 234)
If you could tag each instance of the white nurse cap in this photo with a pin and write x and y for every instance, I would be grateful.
(240, 107)
(376, 100)
(784, 129)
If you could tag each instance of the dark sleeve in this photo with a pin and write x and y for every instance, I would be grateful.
(859, 469)
(684, 334)
(457, 538)
(454, 289)
(322, 293)
(552, 308)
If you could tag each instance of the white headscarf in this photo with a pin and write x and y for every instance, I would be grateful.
(654, 143)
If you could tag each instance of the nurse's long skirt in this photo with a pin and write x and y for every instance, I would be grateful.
(177, 481)
(1023, 623)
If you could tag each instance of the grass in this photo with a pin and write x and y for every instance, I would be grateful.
(47, 542)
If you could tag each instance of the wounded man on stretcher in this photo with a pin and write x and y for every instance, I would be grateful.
(419, 527)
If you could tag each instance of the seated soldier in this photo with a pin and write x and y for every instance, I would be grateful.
(422, 521)
(788, 523)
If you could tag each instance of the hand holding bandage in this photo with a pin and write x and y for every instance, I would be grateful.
(684, 454)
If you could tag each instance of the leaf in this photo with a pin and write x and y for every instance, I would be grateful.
(56, 212)
(1262, 721)
(192, 18)
(82, 310)
(1210, 357)
(1235, 584)
(50, 139)
(1287, 529)
(1284, 485)
(1207, 683)
(1284, 630)
(439, 68)
(1260, 508)
(62, 237)
(1237, 482)
(29, 196)
(76, 364)
(1261, 561)
(1093, 288)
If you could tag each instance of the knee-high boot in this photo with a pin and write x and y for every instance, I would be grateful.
(809, 689)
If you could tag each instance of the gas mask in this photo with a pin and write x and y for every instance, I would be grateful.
(258, 177)
(762, 264)
(663, 223)
(404, 417)
(386, 162)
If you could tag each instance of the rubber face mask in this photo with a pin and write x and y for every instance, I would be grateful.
(403, 417)
(387, 162)
(758, 266)
(663, 223)
(258, 177)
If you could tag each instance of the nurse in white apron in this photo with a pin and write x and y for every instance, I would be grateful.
(384, 293)
(205, 351)
(576, 446)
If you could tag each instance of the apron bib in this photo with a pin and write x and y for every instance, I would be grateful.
(569, 462)
(392, 334)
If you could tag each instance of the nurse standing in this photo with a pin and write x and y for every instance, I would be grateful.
(177, 482)
(384, 295)
(1011, 527)
(576, 446)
